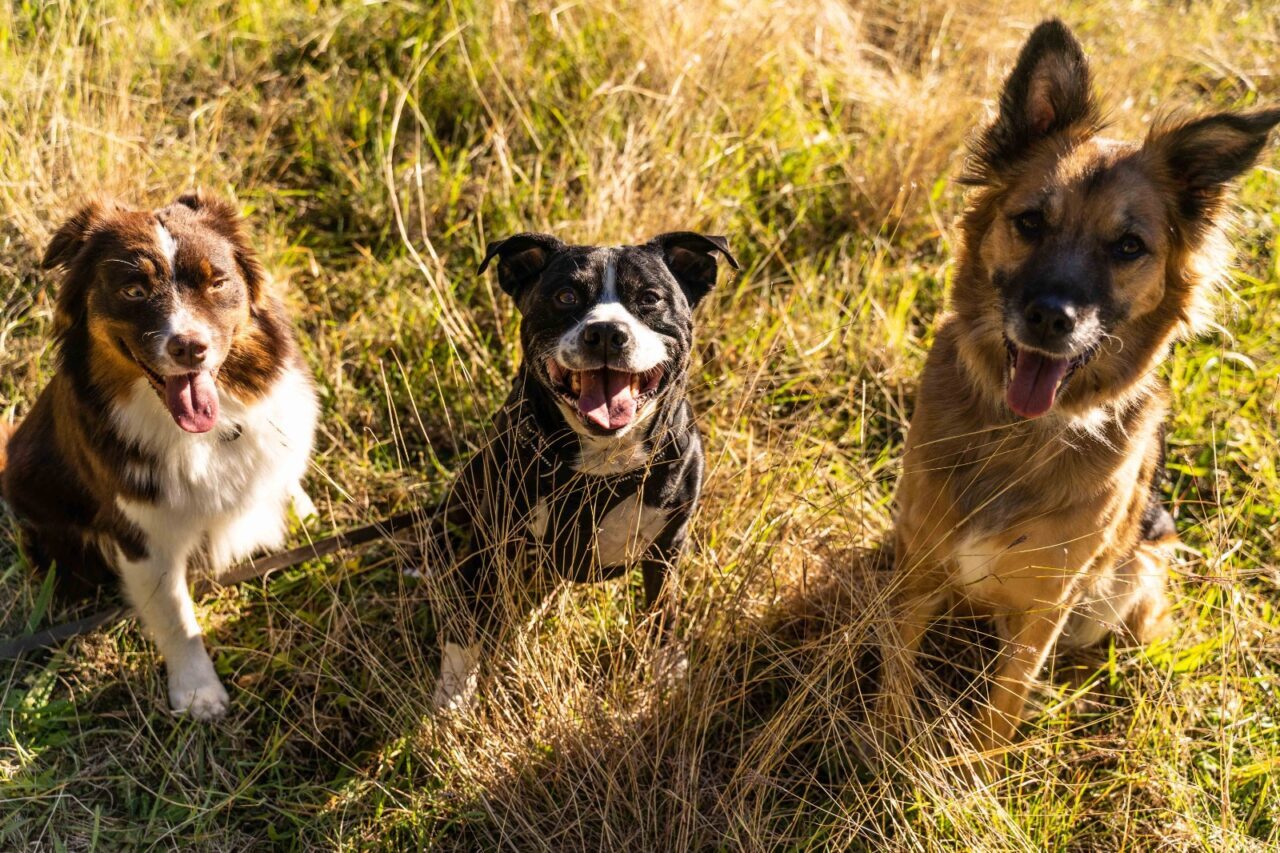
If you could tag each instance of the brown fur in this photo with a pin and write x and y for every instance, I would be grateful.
(1050, 524)
(6, 430)
(67, 466)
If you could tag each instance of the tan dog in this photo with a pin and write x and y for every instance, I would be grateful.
(1031, 484)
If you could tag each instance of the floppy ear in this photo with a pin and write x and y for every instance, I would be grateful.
(71, 236)
(64, 249)
(521, 259)
(691, 257)
(1201, 156)
(1047, 92)
(223, 217)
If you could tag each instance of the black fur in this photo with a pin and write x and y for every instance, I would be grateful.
(489, 539)
(1053, 58)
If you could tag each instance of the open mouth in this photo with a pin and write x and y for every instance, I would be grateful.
(606, 399)
(1036, 379)
(191, 398)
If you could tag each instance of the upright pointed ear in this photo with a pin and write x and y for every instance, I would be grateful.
(72, 235)
(223, 216)
(1201, 156)
(691, 257)
(521, 259)
(1047, 93)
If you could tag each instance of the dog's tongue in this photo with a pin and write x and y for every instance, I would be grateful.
(192, 399)
(1035, 381)
(606, 399)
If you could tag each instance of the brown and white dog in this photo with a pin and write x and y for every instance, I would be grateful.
(1030, 490)
(175, 433)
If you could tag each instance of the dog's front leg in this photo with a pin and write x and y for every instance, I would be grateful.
(670, 658)
(157, 588)
(462, 636)
(1030, 637)
(899, 673)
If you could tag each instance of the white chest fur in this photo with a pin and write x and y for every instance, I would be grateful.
(627, 530)
(232, 484)
(622, 535)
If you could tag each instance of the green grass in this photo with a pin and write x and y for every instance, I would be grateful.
(375, 148)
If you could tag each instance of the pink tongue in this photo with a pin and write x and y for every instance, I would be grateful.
(1035, 381)
(192, 400)
(606, 399)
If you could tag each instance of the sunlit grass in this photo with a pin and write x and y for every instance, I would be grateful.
(376, 147)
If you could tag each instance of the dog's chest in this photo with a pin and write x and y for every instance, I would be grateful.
(255, 450)
(612, 536)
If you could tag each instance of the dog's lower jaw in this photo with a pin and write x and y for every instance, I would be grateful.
(459, 676)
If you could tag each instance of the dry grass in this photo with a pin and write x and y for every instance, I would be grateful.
(376, 147)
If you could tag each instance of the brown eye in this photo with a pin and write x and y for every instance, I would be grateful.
(217, 284)
(567, 297)
(1128, 248)
(649, 298)
(1030, 224)
(134, 292)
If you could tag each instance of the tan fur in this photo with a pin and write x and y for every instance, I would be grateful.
(6, 430)
(1039, 523)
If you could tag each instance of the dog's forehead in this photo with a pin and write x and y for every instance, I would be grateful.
(191, 242)
(617, 266)
(1101, 182)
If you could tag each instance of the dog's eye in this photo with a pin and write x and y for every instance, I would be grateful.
(567, 297)
(649, 298)
(134, 292)
(1128, 247)
(1029, 224)
(217, 284)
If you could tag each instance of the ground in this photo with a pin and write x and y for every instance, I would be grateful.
(375, 148)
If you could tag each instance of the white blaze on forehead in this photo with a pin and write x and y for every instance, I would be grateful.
(609, 292)
(648, 349)
(168, 245)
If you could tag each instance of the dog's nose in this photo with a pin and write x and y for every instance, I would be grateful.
(1050, 320)
(606, 339)
(188, 350)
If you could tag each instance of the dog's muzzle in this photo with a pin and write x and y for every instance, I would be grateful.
(607, 399)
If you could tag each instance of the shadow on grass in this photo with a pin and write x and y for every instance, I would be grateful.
(763, 742)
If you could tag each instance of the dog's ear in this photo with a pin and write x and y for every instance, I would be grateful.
(691, 257)
(1199, 157)
(223, 217)
(1047, 92)
(65, 251)
(72, 236)
(521, 259)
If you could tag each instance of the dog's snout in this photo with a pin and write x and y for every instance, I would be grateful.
(1050, 321)
(188, 349)
(606, 339)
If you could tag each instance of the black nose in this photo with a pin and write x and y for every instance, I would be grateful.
(187, 350)
(1050, 321)
(606, 339)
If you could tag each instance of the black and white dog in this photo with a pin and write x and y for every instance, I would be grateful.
(596, 462)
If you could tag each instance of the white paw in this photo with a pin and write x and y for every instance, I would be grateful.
(459, 676)
(670, 664)
(303, 507)
(199, 694)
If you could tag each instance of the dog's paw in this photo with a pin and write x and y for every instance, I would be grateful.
(670, 665)
(459, 678)
(205, 700)
(303, 507)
